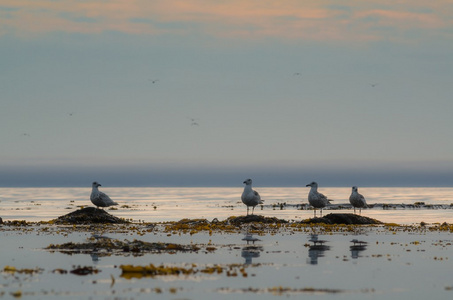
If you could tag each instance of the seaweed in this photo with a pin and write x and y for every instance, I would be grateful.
(347, 219)
(89, 215)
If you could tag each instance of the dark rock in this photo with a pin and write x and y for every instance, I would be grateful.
(1, 221)
(105, 247)
(89, 215)
(254, 218)
(348, 219)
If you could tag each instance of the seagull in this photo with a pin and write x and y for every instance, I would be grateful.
(194, 122)
(250, 197)
(357, 200)
(99, 198)
(153, 81)
(317, 200)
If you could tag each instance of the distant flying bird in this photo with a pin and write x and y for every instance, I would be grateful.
(25, 134)
(98, 198)
(357, 200)
(373, 84)
(194, 122)
(316, 199)
(153, 80)
(297, 74)
(250, 197)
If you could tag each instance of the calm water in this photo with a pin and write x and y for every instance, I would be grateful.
(393, 264)
(171, 204)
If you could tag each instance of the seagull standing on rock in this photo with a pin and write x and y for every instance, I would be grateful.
(250, 197)
(99, 198)
(316, 199)
(357, 200)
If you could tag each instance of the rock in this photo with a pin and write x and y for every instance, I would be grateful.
(254, 218)
(343, 219)
(89, 215)
(1, 220)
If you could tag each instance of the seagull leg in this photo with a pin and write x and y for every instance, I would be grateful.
(253, 208)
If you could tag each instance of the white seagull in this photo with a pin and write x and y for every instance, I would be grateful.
(357, 200)
(316, 199)
(250, 197)
(99, 198)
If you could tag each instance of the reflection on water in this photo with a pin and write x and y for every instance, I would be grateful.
(357, 247)
(401, 205)
(250, 238)
(316, 250)
(94, 257)
(250, 251)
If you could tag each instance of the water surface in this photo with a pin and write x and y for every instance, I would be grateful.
(171, 204)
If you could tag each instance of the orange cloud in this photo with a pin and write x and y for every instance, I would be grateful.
(291, 19)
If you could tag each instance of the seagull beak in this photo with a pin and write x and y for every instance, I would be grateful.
(244, 182)
(308, 185)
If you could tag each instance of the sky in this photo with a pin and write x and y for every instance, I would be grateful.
(209, 93)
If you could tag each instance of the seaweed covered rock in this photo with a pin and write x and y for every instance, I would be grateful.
(254, 218)
(89, 215)
(105, 246)
(348, 219)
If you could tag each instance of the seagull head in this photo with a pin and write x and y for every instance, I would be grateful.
(247, 181)
(95, 184)
(313, 184)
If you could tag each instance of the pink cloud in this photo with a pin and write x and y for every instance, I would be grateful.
(313, 20)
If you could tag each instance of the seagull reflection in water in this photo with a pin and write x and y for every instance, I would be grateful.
(96, 237)
(249, 238)
(94, 257)
(357, 247)
(316, 250)
(250, 251)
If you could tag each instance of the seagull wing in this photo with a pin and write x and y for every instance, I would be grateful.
(258, 196)
(106, 199)
(324, 198)
(362, 199)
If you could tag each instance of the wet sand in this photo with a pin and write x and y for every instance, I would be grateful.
(285, 260)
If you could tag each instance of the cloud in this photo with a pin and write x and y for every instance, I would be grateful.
(293, 20)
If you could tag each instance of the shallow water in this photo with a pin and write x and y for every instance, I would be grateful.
(171, 204)
(398, 265)
(395, 262)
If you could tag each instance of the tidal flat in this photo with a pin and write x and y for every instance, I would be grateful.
(201, 259)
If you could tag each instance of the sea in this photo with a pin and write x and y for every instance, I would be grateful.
(315, 262)
(401, 205)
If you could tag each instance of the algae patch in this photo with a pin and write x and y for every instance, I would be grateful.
(105, 247)
(230, 270)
